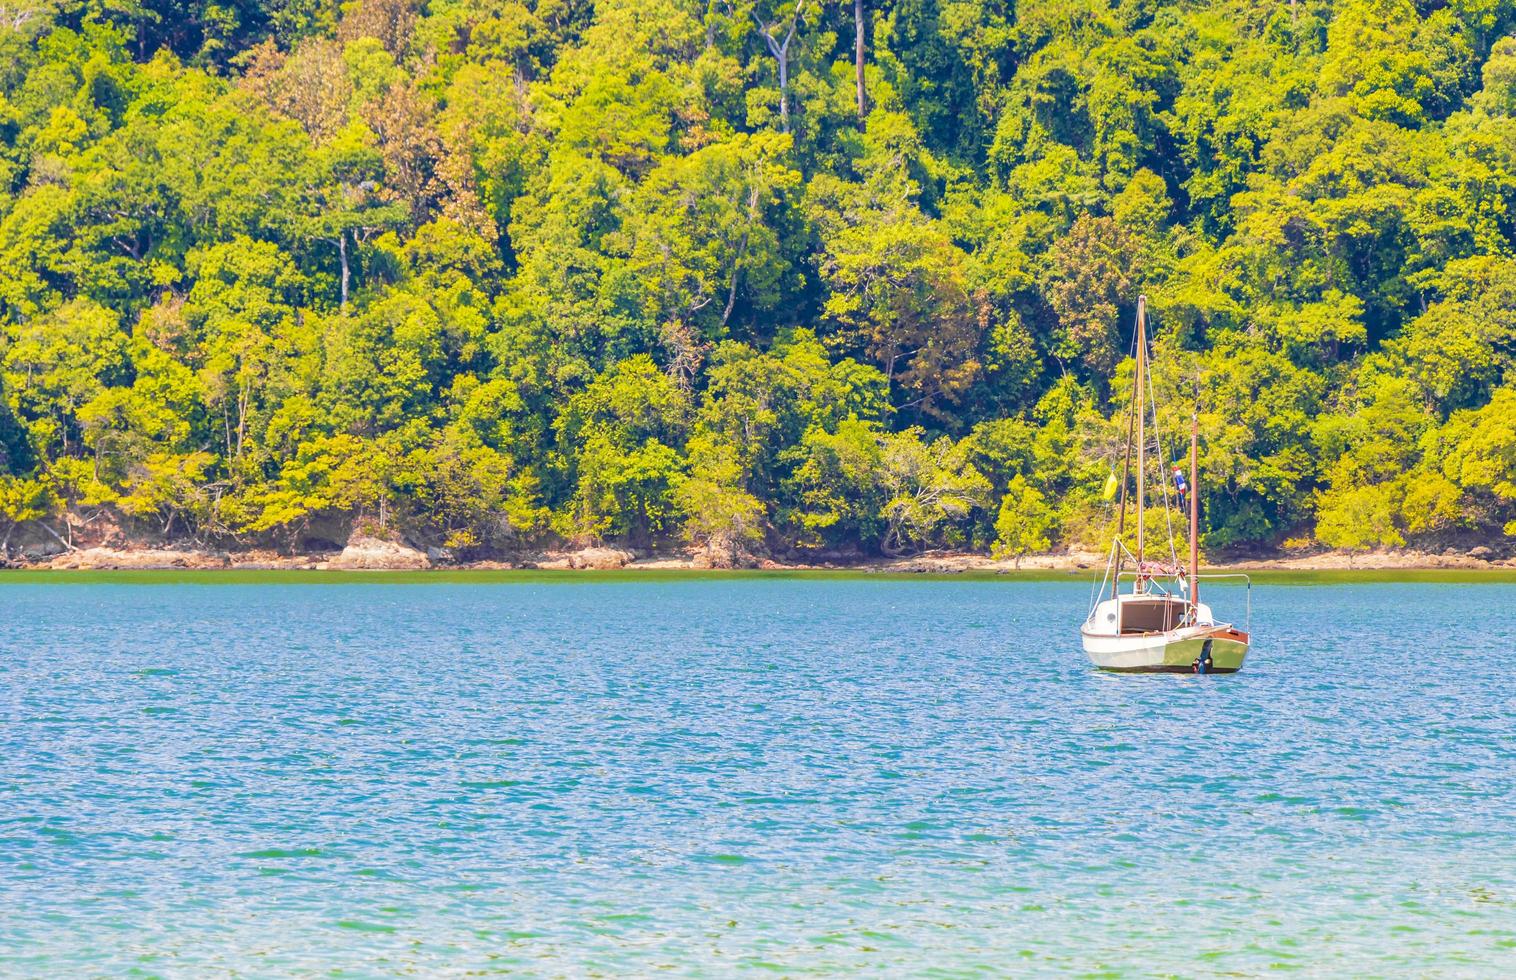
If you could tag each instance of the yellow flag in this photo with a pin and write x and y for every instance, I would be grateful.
(1111, 486)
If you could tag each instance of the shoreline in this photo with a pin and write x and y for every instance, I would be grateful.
(608, 559)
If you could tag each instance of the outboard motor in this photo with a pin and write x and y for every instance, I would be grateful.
(1202, 664)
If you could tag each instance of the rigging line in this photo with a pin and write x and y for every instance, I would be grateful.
(1126, 466)
(1096, 597)
(1163, 460)
(1156, 584)
(1166, 463)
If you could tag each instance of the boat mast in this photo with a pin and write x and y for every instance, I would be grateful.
(1195, 515)
(1126, 478)
(1142, 368)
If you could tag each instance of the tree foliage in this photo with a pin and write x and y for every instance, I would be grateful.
(758, 275)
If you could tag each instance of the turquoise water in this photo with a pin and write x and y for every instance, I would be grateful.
(707, 775)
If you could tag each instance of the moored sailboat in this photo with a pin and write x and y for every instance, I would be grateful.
(1160, 625)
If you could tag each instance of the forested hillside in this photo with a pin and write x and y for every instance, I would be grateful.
(754, 275)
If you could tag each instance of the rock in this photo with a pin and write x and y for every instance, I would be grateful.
(722, 559)
(365, 552)
(41, 549)
(1482, 553)
(88, 558)
(139, 558)
(600, 558)
(439, 555)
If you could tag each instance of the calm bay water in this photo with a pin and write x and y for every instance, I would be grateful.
(707, 775)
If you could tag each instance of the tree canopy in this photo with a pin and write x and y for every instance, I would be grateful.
(753, 274)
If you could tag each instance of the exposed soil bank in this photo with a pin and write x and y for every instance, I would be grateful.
(375, 555)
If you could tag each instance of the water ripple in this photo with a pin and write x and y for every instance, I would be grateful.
(707, 776)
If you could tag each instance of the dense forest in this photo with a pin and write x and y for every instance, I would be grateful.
(758, 276)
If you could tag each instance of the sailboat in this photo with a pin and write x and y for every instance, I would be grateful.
(1159, 625)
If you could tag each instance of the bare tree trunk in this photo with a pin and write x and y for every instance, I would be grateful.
(241, 417)
(784, 86)
(781, 52)
(731, 293)
(858, 52)
(346, 275)
(56, 536)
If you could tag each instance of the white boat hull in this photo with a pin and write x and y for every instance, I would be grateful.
(1173, 651)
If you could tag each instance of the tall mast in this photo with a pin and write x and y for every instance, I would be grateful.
(1195, 514)
(1142, 439)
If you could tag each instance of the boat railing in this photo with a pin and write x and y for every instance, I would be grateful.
(1204, 576)
(1247, 580)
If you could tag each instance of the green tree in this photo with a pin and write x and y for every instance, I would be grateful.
(720, 516)
(1359, 519)
(1026, 522)
(932, 489)
(624, 468)
(58, 363)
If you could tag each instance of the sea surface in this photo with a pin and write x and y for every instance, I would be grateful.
(620, 776)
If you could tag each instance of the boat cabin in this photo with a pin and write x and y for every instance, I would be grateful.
(1128, 615)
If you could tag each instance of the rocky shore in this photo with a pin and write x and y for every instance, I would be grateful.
(365, 553)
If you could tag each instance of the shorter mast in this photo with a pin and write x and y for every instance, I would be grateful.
(1142, 437)
(1195, 515)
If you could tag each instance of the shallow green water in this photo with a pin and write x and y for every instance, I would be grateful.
(628, 774)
